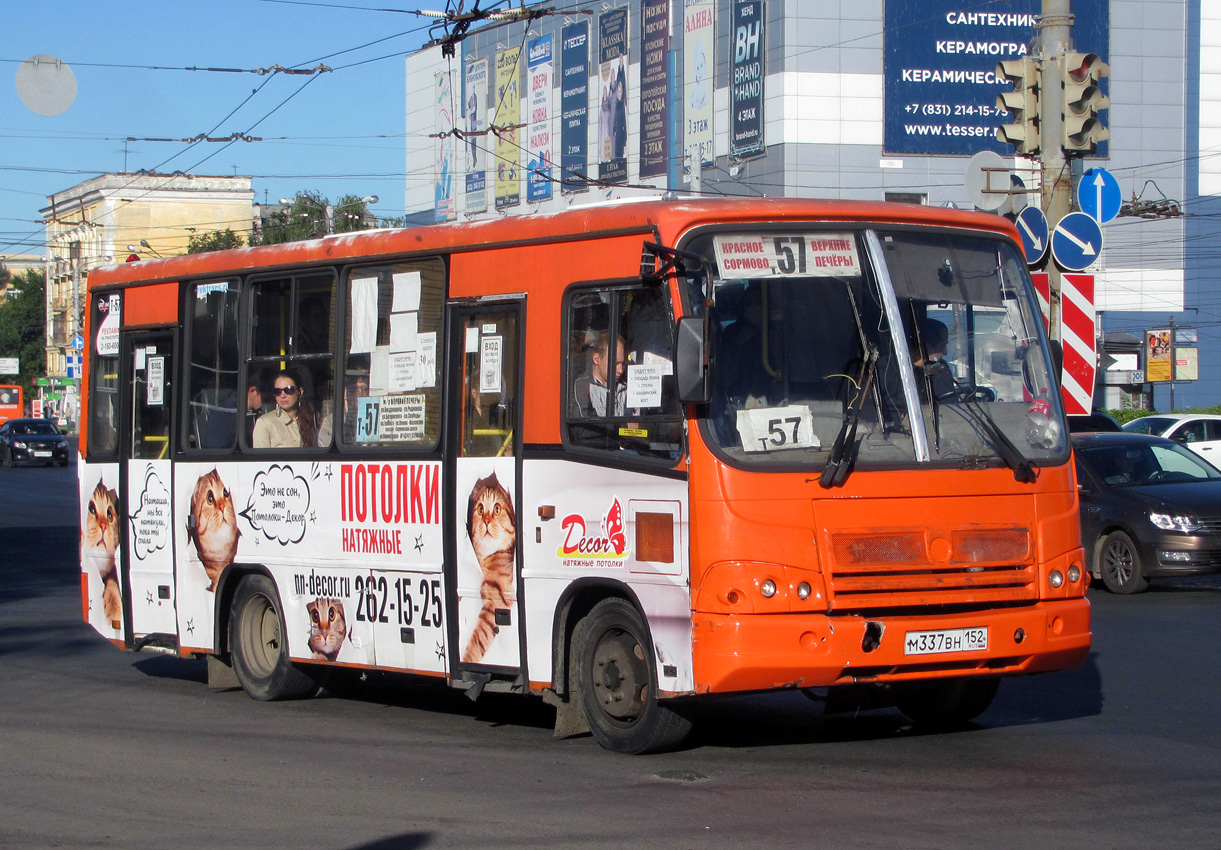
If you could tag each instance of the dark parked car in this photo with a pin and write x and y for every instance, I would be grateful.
(1097, 420)
(1149, 508)
(32, 441)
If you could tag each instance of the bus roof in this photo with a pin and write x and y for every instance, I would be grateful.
(669, 218)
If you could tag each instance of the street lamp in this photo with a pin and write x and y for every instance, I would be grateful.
(144, 242)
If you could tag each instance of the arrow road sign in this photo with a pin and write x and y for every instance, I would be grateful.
(78, 342)
(1098, 195)
(1076, 242)
(1032, 226)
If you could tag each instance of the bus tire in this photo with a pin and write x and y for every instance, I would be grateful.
(616, 679)
(259, 646)
(946, 703)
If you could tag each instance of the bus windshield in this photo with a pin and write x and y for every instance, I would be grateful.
(927, 342)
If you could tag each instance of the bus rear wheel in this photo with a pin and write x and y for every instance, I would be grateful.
(259, 645)
(617, 683)
(946, 703)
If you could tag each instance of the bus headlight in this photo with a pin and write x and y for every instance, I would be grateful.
(768, 588)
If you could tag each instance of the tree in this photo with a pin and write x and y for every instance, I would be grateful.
(215, 240)
(23, 327)
(311, 216)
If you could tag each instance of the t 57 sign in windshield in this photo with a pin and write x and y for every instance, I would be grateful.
(940, 68)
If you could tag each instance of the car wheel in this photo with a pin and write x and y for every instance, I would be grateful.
(1119, 563)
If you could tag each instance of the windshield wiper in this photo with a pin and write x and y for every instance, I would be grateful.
(1023, 470)
(836, 470)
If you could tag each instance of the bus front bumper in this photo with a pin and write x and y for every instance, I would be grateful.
(755, 652)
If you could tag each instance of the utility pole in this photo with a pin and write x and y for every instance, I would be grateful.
(1057, 184)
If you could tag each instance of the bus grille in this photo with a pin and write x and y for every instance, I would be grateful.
(903, 568)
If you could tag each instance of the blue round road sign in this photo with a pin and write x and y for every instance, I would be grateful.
(1032, 225)
(1098, 195)
(1076, 242)
(78, 342)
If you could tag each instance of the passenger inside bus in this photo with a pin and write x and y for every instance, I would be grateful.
(291, 423)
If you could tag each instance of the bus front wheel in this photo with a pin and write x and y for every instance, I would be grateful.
(946, 703)
(617, 683)
(259, 645)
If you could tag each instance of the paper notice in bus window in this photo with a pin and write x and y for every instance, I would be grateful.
(651, 359)
(748, 256)
(643, 386)
(402, 418)
(406, 292)
(156, 381)
(472, 341)
(403, 329)
(379, 369)
(368, 409)
(364, 314)
(490, 359)
(426, 359)
(773, 429)
(403, 375)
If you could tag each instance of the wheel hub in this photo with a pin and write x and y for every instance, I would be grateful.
(621, 676)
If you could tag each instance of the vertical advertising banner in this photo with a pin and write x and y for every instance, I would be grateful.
(574, 103)
(1157, 355)
(506, 117)
(476, 105)
(699, 36)
(446, 207)
(612, 74)
(746, 81)
(654, 87)
(539, 69)
(939, 69)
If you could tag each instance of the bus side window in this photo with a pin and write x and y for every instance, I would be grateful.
(212, 394)
(104, 378)
(391, 394)
(292, 346)
(620, 394)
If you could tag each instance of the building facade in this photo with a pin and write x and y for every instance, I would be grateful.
(109, 218)
(860, 99)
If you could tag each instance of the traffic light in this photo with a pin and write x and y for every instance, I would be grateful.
(1079, 76)
(1022, 104)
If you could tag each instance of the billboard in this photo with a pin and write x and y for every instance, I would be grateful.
(939, 70)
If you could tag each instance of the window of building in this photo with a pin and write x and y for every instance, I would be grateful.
(291, 362)
(391, 381)
(620, 394)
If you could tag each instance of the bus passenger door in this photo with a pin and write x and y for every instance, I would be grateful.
(148, 556)
(483, 472)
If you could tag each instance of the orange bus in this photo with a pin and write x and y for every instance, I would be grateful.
(621, 457)
(12, 405)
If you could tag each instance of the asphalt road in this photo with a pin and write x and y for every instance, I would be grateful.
(109, 749)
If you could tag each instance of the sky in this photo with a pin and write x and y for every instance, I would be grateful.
(337, 133)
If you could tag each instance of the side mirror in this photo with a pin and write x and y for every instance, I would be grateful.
(692, 366)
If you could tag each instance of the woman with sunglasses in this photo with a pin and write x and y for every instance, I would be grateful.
(291, 423)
